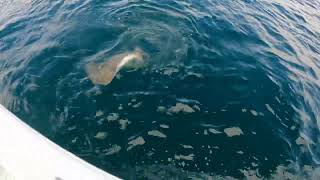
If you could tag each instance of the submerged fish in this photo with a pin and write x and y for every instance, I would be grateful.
(103, 73)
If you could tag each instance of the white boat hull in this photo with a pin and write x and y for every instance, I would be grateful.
(25, 154)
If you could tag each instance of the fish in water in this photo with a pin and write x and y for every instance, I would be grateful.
(103, 73)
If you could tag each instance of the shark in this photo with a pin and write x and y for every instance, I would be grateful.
(103, 73)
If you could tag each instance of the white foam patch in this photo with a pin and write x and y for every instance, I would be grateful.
(100, 121)
(124, 123)
(187, 101)
(181, 108)
(183, 157)
(170, 70)
(150, 153)
(198, 75)
(74, 140)
(161, 109)
(164, 126)
(301, 141)
(205, 132)
(113, 117)
(101, 135)
(99, 113)
(157, 133)
(186, 146)
(253, 112)
(118, 76)
(183, 163)
(112, 150)
(240, 152)
(136, 142)
(137, 105)
(233, 131)
(196, 107)
(213, 131)
(254, 164)
(270, 109)
(72, 128)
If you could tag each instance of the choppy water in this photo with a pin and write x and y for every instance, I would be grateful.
(246, 73)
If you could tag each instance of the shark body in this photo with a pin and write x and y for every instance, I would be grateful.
(104, 73)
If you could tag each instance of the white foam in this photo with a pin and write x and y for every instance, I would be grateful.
(253, 112)
(183, 157)
(214, 131)
(112, 150)
(164, 126)
(161, 109)
(179, 107)
(270, 109)
(136, 142)
(198, 75)
(101, 135)
(205, 132)
(170, 70)
(301, 141)
(124, 123)
(157, 133)
(137, 105)
(186, 146)
(113, 117)
(240, 152)
(233, 131)
(99, 113)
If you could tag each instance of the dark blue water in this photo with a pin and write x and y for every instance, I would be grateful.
(245, 71)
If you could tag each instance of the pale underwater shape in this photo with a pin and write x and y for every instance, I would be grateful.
(105, 72)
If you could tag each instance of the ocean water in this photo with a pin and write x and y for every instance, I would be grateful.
(230, 89)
